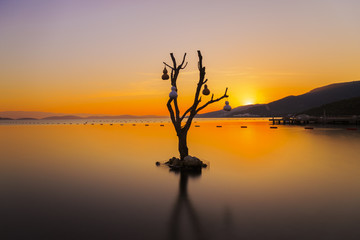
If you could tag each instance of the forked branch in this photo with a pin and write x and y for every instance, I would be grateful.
(212, 101)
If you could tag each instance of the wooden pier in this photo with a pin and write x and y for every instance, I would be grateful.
(303, 120)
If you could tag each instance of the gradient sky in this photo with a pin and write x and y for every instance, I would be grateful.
(106, 56)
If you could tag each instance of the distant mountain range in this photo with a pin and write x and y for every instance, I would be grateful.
(24, 115)
(235, 112)
(292, 105)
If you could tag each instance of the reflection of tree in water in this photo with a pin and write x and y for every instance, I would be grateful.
(184, 205)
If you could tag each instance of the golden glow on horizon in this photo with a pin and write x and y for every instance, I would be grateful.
(109, 68)
(249, 102)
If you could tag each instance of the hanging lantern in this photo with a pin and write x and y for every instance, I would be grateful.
(227, 106)
(206, 91)
(165, 76)
(173, 94)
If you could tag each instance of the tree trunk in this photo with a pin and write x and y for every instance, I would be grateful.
(183, 149)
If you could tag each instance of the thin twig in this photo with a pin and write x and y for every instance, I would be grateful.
(168, 65)
(184, 66)
(183, 60)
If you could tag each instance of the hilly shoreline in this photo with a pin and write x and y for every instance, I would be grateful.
(312, 102)
(293, 105)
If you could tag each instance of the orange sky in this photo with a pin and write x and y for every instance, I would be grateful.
(106, 57)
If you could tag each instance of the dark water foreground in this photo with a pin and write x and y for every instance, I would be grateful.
(100, 182)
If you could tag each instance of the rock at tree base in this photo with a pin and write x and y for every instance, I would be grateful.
(189, 163)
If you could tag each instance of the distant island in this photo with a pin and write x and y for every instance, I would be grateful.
(66, 117)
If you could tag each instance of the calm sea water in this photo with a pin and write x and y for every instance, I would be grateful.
(74, 181)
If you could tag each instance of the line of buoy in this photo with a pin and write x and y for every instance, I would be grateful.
(161, 125)
(309, 128)
(243, 126)
(219, 126)
(273, 127)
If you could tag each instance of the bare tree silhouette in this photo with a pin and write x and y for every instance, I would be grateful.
(176, 117)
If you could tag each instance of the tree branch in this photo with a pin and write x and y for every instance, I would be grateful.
(173, 60)
(177, 111)
(186, 112)
(183, 60)
(199, 85)
(212, 101)
(172, 115)
(197, 100)
(200, 60)
(168, 65)
(184, 66)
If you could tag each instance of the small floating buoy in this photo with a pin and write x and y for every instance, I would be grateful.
(243, 126)
(161, 125)
(110, 124)
(157, 163)
(219, 126)
(273, 127)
